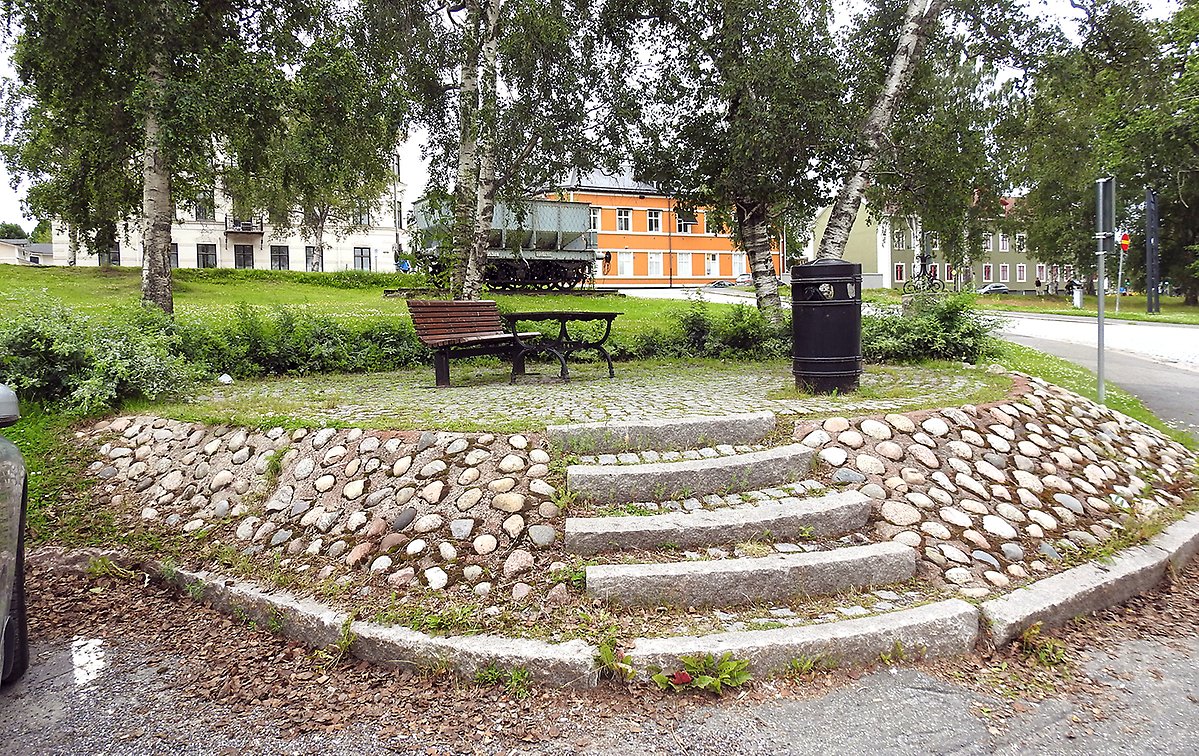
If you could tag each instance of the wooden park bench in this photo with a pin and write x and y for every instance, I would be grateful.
(464, 329)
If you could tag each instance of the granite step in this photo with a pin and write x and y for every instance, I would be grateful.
(611, 484)
(616, 436)
(778, 520)
(734, 582)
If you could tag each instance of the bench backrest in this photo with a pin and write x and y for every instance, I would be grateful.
(439, 321)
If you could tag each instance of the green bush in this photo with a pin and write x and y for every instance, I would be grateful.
(343, 279)
(934, 328)
(285, 341)
(49, 352)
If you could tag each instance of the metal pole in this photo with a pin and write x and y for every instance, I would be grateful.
(1104, 190)
(1119, 280)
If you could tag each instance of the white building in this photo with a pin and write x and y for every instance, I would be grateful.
(25, 252)
(212, 236)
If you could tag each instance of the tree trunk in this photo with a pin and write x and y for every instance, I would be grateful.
(755, 237)
(920, 17)
(488, 118)
(72, 247)
(157, 208)
(318, 254)
(466, 185)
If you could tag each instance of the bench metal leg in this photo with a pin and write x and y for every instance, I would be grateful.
(441, 368)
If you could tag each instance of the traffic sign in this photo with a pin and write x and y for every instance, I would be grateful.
(1125, 242)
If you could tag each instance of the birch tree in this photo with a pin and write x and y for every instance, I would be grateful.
(515, 94)
(919, 21)
(744, 120)
(179, 88)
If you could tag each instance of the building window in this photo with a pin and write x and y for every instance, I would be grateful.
(1021, 242)
(684, 221)
(934, 240)
(624, 219)
(362, 217)
(205, 255)
(653, 221)
(174, 256)
(624, 263)
(933, 271)
(988, 273)
(900, 269)
(243, 256)
(655, 264)
(594, 220)
(1021, 273)
(1004, 243)
(739, 263)
(279, 256)
(35, 260)
(900, 240)
(684, 264)
(111, 257)
(312, 263)
(711, 264)
(203, 210)
(1041, 272)
(1005, 273)
(362, 258)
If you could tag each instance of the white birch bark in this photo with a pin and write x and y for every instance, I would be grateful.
(755, 236)
(466, 183)
(476, 259)
(920, 17)
(157, 207)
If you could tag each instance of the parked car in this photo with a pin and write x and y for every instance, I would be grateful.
(994, 288)
(745, 279)
(14, 651)
(720, 284)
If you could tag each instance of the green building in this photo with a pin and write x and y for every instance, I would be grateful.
(887, 250)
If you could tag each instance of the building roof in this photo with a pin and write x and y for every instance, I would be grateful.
(599, 181)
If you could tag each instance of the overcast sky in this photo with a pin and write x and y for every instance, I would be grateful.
(414, 173)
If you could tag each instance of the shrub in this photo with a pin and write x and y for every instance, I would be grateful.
(49, 352)
(343, 279)
(934, 328)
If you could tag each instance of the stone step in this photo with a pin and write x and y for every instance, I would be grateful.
(941, 629)
(612, 484)
(731, 582)
(616, 436)
(652, 455)
(784, 520)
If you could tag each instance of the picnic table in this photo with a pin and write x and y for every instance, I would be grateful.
(565, 344)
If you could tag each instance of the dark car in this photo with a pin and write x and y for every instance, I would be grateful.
(14, 651)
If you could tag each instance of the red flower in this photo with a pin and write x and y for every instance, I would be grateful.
(680, 679)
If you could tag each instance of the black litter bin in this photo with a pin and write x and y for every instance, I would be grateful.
(826, 326)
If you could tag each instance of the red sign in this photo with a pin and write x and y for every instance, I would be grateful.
(1125, 242)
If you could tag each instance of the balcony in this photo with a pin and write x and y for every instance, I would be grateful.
(252, 225)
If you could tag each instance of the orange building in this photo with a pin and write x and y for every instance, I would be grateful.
(642, 239)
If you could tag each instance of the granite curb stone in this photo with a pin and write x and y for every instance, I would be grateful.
(944, 628)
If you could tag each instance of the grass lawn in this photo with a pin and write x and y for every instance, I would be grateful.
(210, 295)
(1131, 307)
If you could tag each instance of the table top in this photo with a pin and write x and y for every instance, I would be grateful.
(560, 315)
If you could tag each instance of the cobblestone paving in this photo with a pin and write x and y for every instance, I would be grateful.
(482, 399)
